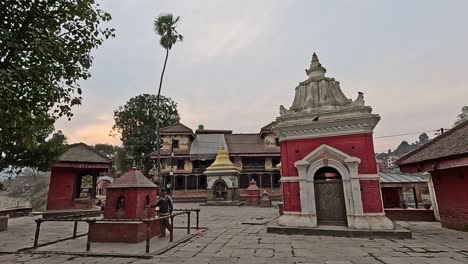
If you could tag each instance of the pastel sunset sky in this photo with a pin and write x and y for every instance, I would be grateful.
(240, 60)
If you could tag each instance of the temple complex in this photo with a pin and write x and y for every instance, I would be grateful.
(186, 155)
(329, 171)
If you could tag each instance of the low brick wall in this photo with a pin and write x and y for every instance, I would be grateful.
(410, 214)
(16, 212)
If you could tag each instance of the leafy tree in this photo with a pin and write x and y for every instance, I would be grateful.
(109, 150)
(404, 147)
(423, 138)
(45, 49)
(166, 27)
(136, 121)
(123, 162)
(40, 155)
(463, 116)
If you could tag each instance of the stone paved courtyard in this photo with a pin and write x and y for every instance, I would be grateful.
(228, 240)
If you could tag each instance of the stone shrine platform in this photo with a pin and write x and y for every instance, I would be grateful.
(341, 231)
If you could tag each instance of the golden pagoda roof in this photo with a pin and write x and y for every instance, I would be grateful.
(222, 162)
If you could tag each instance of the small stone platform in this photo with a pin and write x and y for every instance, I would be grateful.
(341, 231)
(222, 203)
(72, 212)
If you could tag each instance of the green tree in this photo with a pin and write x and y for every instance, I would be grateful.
(403, 148)
(109, 150)
(423, 139)
(40, 155)
(166, 27)
(45, 50)
(136, 121)
(463, 116)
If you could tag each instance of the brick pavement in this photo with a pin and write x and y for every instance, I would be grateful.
(230, 241)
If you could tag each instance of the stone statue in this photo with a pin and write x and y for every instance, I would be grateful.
(283, 110)
(359, 100)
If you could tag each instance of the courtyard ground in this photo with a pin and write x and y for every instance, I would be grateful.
(238, 235)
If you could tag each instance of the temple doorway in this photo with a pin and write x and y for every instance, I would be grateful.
(220, 190)
(329, 197)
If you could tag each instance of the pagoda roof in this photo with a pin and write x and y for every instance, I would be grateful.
(249, 144)
(451, 143)
(80, 152)
(132, 179)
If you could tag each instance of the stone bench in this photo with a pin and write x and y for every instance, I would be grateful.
(3, 223)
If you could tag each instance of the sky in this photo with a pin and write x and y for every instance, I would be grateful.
(241, 59)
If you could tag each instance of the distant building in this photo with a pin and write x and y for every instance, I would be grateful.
(186, 155)
(446, 159)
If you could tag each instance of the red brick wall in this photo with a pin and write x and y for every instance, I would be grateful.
(61, 187)
(291, 197)
(410, 215)
(294, 150)
(121, 232)
(134, 203)
(451, 188)
(371, 196)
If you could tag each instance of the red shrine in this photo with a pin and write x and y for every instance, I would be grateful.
(128, 200)
(329, 171)
(73, 178)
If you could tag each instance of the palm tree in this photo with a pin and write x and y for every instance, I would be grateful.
(165, 26)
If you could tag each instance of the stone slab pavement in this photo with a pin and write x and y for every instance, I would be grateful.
(229, 241)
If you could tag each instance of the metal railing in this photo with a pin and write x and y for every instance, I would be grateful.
(148, 221)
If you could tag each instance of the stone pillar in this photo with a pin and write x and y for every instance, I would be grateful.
(435, 206)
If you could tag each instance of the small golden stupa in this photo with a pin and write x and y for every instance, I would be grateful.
(222, 162)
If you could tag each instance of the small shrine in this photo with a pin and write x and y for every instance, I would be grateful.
(73, 179)
(222, 181)
(127, 199)
(265, 199)
(253, 193)
(329, 171)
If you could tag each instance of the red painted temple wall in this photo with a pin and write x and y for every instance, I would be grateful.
(60, 195)
(294, 150)
(371, 196)
(134, 203)
(291, 197)
(122, 232)
(451, 188)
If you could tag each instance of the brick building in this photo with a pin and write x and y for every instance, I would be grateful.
(186, 155)
(446, 159)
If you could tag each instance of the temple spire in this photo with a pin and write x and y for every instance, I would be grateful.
(315, 69)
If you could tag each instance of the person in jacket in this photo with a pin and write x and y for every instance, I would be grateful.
(165, 209)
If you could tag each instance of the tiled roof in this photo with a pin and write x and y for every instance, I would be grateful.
(267, 128)
(206, 146)
(176, 128)
(80, 152)
(213, 131)
(390, 177)
(452, 142)
(248, 144)
(132, 179)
